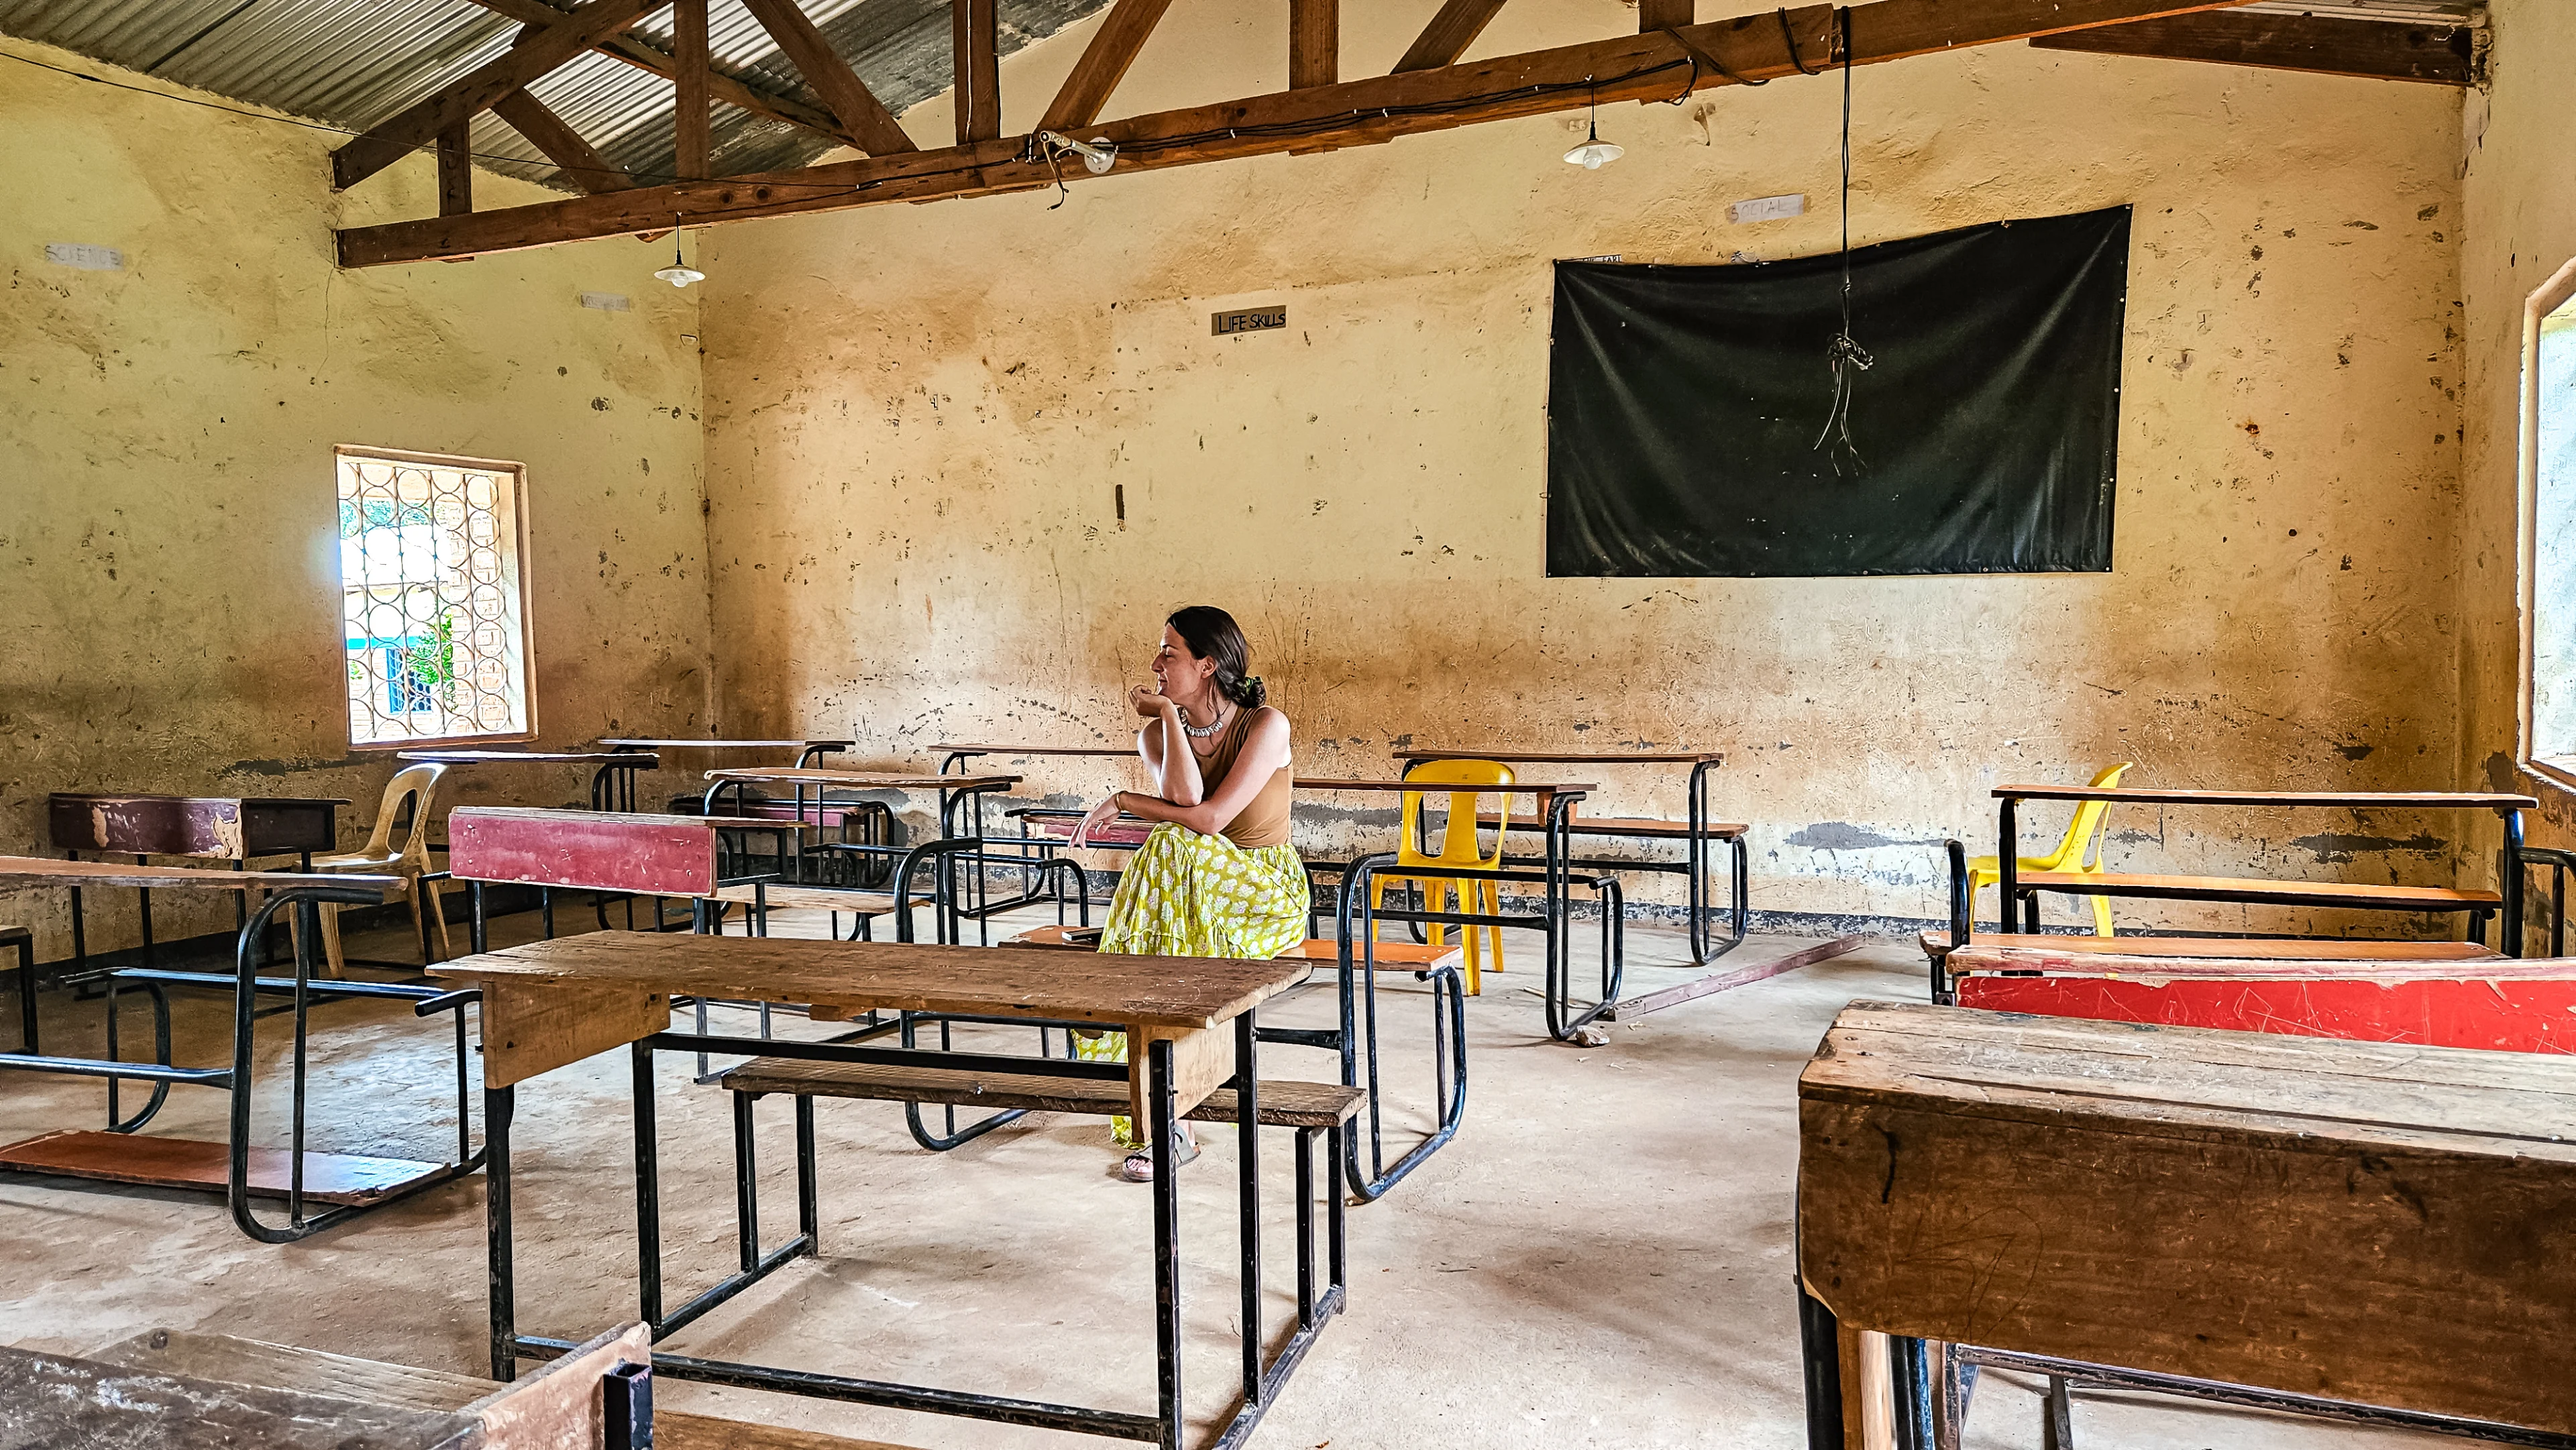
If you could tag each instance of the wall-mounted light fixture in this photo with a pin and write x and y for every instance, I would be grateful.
(1098, 154)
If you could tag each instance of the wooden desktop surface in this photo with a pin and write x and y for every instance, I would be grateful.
(633, 745)
(1567, 757)
(1104, 987)
(551, 1003)
(634, 759)
(1101, 750)
(2358, 800)
(46, 871)
(1525, 787)
(2382, 1223)
(858, 779)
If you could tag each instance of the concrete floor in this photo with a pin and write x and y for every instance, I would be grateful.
(1602, 1257)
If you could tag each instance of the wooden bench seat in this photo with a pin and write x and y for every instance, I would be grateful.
(2267, 949)
(810, 898)
(1284, 1103)
(1640, 827)
(1413, 956)
(2260, 892)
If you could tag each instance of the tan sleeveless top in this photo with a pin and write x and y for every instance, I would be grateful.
(1263, 822)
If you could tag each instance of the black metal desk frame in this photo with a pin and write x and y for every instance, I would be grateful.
(2509, 873)
(247, 986)
(1705, 945)
(1261, 1380)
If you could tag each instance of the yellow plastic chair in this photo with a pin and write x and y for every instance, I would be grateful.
(1457, 848)
(382, 858)
(2080, 852)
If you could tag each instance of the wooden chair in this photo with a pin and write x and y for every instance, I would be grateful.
(381, 858)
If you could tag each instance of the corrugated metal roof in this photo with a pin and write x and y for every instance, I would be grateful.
(352, 63)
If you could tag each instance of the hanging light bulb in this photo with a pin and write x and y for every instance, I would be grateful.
(679, 273)
(1595, 153)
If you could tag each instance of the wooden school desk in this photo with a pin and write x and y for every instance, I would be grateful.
(807, 750)
(177, 1389)
(239, 829)
(612, 776)
(347, 1184)
(1553, 807)
(1698, 832)
(2019, 888)
(2377, 1232)
(955, 791)
(549, 1004)
(182, 1389)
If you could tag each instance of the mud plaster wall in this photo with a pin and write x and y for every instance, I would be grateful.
(2520, 201)
(166, 483)
(918, 416)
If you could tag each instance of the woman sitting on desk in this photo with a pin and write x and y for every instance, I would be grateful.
(1217, 877)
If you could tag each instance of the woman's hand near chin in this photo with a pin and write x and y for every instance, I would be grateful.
(1149, 702)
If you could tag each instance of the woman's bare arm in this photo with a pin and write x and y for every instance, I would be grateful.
(1265, 750)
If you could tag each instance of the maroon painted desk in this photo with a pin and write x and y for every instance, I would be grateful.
(239, 829)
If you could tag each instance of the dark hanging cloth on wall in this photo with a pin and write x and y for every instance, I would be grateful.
(1684, 404)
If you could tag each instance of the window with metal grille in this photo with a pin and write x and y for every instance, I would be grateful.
(2549, 527)
(432, 598)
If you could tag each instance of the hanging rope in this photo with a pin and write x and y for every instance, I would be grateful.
(1846, 356)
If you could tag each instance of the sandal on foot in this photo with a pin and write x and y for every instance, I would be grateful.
(1139, 1165)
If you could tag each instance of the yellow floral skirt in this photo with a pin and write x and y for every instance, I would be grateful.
(1188, 895)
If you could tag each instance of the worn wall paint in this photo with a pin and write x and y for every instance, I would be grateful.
(2520, 206)
(166, 509)
(918, 417)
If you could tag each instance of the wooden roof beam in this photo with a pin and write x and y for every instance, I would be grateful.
(2375, 49)
(645, 56)
(537, 52)
(851, 102)
(579, 161)
(1103, 65)
(977, 69)
(1654, 66)
(692, 116)
(1314, 43)
(1448, 35)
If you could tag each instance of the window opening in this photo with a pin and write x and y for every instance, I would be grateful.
(432, 600)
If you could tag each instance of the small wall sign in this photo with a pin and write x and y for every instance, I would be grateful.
(1248, 319)
(1768, 208)
(86, 256)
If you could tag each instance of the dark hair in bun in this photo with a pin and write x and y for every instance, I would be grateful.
(1212, 635)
